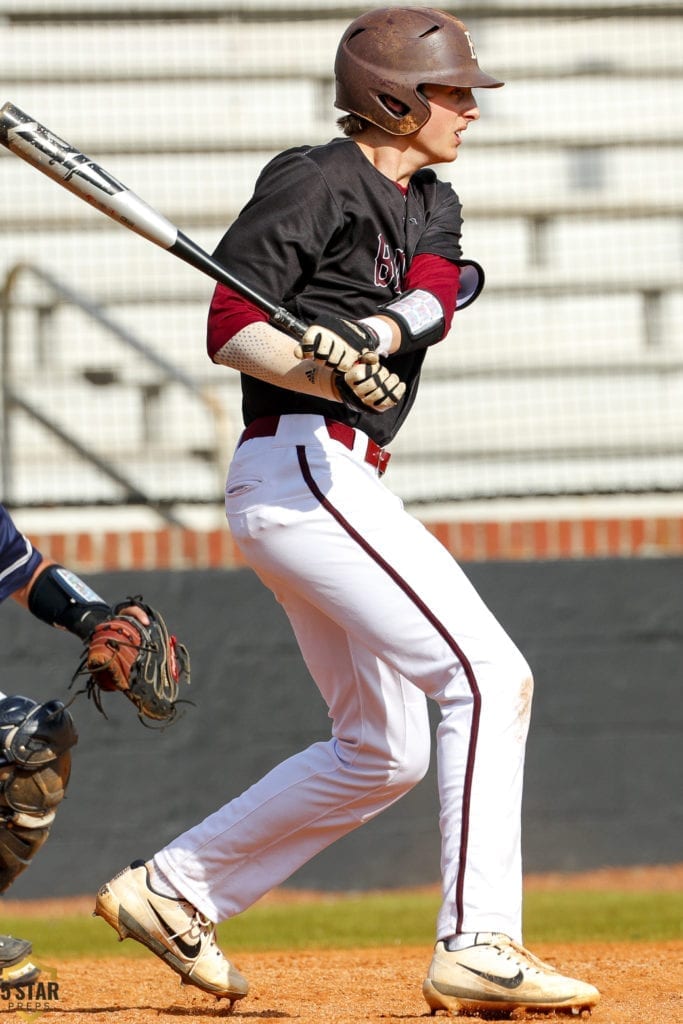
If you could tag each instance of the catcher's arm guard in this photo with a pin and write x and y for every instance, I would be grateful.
(144, 662)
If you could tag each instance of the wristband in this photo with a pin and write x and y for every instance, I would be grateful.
(420, 317)
(383, 331)
(61, 598)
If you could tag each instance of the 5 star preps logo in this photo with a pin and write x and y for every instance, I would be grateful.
(31, 1000)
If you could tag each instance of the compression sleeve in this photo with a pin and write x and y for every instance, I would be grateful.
(262, 351)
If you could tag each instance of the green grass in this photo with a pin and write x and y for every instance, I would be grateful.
(407, 919)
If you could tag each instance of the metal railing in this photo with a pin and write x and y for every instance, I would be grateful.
(12, 400)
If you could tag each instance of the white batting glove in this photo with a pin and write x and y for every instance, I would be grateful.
(336, 342)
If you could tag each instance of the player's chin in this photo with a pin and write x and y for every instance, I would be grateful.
(450, 152)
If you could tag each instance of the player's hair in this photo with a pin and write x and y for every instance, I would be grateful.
(351, 124)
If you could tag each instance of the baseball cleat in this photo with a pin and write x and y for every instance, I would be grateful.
(173, 929)
(498, 974)
(15, 967)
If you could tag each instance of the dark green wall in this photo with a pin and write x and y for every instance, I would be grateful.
(604, 764)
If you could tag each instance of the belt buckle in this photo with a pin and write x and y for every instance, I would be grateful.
(377, 457)
(383, 461)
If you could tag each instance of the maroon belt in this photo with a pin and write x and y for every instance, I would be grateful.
(266, 426)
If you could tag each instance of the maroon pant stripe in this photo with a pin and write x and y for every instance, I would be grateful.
(445, 635)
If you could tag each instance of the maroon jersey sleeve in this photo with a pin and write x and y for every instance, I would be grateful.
(229, 313)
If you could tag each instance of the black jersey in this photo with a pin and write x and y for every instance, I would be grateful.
(326, 232)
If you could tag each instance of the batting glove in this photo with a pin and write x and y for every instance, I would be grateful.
(336, 342)
(369, 385)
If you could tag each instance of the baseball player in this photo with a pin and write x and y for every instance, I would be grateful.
(36, 739)
(360, 239)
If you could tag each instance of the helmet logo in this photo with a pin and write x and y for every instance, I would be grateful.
(468, 37)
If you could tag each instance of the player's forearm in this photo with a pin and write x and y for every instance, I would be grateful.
(262, 351)
(21, 596)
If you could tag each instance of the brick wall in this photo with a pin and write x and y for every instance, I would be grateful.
(469, 541)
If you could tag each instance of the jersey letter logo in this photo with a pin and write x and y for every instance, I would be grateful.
(390, 265)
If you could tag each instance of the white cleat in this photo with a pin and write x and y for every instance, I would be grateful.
(498, 974)
(173, 929)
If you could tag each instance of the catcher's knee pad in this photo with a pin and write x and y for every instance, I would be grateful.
(35, 765)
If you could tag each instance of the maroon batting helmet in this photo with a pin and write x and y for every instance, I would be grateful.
(386, 55)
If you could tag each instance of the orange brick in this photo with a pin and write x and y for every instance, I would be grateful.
(660, 533)
(190, 547)
(454, 543)
(57, 547)
(565, 538)
(215, 548)
(489, 541)
(236, 556)
(539, 538)
(467, 542)
(440, 531)
(552, 539)
(515, 544)
(613, 538)
(138, 549)
(451, 538)
(678, 538)
(111, 552)
(163, 548)
(670, 533)
(84, 549)
(589, 540)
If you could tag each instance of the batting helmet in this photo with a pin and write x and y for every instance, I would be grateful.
(386, 55)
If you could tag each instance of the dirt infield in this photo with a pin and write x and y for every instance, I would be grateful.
(641, 983)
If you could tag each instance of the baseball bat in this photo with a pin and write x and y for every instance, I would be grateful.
(33, 142)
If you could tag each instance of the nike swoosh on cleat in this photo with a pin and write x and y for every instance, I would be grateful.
(185, 948)
(514, 982)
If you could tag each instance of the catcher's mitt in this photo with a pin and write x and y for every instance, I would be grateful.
(144, 662)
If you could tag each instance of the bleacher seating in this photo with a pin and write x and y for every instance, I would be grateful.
(572, 185)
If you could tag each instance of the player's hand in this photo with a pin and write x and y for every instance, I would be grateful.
(336, 342)
(369, 385)
(136, 612)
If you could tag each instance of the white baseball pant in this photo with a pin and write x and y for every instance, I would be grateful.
(384, 618)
